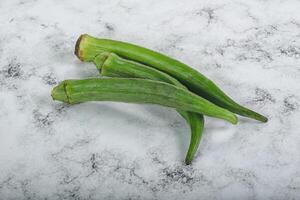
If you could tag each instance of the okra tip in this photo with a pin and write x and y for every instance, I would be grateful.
(262, 118)
(234, 119)
(59, 93)
(229, 116)
(188, 161)
(254, 115)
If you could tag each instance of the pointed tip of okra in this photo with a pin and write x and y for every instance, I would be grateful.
(254, 115)
(265, 120)
(59, 93)
(234, 119)
(78, 51)
(188, 161)
(230, 117)
(262, 118)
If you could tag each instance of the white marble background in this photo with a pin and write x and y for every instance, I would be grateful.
(49, 150)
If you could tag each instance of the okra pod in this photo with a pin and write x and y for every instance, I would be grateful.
(87, 48)
(137, 91)
(111, 65)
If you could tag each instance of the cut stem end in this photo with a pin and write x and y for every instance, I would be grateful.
(59, 93)
(78, 51)
(100, 59)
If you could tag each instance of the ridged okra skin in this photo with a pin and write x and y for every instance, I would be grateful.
(111, 65)
(88, 47)
(137, 91)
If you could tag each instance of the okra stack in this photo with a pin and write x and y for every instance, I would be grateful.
(134, 74)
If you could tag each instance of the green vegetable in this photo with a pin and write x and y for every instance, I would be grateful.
(88, 47)
(111, 65)
(137, 91)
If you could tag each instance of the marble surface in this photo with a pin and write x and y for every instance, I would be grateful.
(49, 150)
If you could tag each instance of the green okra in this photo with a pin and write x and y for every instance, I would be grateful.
(137, 91)
(88, 47)
(111, 65)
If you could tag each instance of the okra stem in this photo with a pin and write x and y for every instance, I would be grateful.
(87, 48)
(111, 65)
(137, 91)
